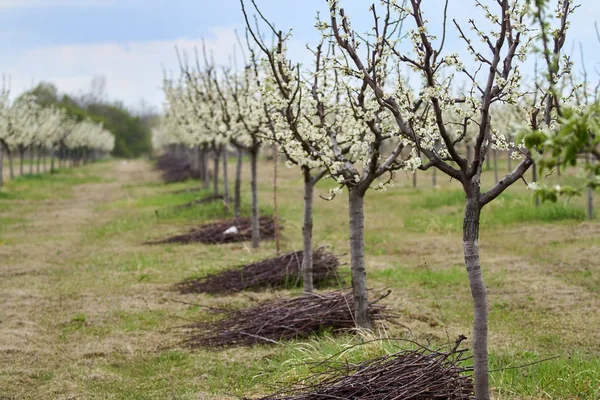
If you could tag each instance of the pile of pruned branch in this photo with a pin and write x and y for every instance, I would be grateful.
(225, 231)
(175, 169)
(282, 319)
(279, 272)
(421, 374)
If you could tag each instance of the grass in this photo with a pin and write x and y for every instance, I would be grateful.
(90, 312)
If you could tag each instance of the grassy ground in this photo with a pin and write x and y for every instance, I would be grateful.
(88, 311)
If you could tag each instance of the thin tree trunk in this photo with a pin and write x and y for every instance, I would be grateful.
(1, 165)
(469, 154)
(535, 178)
(479, 294)
(52, 156)
(415, 179)
(509, 161)
(434, 177)
(590, 193)
(31, 160)
(225, 181)
(238, 184)
(495, 155)
(21, 158)
(216, 172)
(253, 184)
(204, 162)
(39, 160)
(487, 159)
(357, 255)
(307, 227)
(10, 165)
(275, 209)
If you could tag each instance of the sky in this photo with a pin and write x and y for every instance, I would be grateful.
(131, 42)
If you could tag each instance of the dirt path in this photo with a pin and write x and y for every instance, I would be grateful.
(35, 305)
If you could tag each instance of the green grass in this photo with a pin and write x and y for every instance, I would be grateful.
(442, 211)
(106, 321)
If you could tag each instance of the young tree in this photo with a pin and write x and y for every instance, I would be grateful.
(419, 115)
(331, 121)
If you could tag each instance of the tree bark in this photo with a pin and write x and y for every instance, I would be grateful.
(253, 184)
(415, 179)
(469, 154)
(434, 177)
(307, 228)
(238, 184)
(216, 172)
(479, 294)
(204, 162)
(225, 181)
(357, 255)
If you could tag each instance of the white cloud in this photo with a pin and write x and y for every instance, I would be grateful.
(133, 70)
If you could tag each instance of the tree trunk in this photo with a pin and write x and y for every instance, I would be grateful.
(275, 209)
(357, 255)
(1, 166)
(509, 162)
(31, 160)
(204, 163)
(469, 154)
(39, 160)
(487, 159)
(434, 177)
(21, 157)
(10, 165)
(44, 159)
(238, 184)
(495, 155)
(479, 294)
(52, 156)
(225, 181)
(255, 220)
(590, 193)
(216, 172)
(307, 227)
(535, 178)
(415, 179)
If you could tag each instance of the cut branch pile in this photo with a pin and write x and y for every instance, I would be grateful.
(283, 319)
(279, 272)
(223, 232)
(408, 375)
(174, 169)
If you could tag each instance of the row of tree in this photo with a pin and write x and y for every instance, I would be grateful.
(27, 128)
(356, 117)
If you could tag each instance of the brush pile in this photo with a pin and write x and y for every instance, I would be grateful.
(283, 319)
(174, 169)
(226, 231)
(421, 374)
(275, 273)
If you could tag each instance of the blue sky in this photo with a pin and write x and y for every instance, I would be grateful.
(129, 41)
